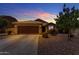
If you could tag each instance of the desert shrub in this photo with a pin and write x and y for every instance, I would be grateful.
(45, 35)
(52, 32)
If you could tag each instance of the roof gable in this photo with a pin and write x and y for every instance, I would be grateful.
(40, 20)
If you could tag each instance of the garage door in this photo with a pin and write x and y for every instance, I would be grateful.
(28, 29)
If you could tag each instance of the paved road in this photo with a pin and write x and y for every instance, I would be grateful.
(19, 44)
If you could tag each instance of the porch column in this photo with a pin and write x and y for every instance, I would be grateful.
(40, 29)
(16, 29)
(46, 29)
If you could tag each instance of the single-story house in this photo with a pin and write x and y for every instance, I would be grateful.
(26, 27)
(37, 26)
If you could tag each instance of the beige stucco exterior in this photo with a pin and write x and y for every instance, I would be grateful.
(27, 23)
(14, 30)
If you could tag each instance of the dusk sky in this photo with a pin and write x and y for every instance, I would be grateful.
(31, 11)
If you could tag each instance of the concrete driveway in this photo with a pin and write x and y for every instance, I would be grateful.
(19, 44)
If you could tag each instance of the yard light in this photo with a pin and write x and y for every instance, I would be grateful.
(77, 18)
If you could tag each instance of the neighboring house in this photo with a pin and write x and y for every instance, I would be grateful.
(75, 32)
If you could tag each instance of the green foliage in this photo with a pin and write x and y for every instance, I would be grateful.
(3, 23)
(67, 20)
(52, 32)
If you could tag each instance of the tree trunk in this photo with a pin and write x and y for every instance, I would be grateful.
(70, 35)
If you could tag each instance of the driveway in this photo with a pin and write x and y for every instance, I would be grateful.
(34, 45)
(19, 44)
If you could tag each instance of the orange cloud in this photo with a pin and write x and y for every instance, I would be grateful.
(47, 17)
(33, 14)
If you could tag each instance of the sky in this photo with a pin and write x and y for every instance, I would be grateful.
(32, 11)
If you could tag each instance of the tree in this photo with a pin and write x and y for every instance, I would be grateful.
(6, 22)
(9, 19)
(67, 20)
(3, 24)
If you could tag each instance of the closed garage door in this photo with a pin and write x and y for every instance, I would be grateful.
(28, 29)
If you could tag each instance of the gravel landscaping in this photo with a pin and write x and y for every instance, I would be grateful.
(58, 45)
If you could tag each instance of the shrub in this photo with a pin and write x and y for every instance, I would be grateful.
(45, 35)
(52, 32)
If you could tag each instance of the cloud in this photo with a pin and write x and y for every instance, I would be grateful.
(34, 14)
(29, 14)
